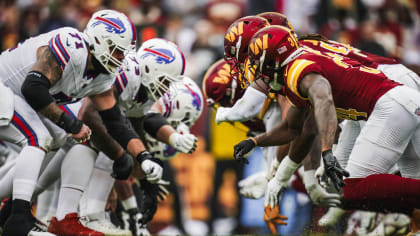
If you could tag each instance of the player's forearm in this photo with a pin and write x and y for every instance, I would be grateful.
(312, 160)
(52, 112)
(300, 147)
(279, 135)
(164, 133)
(135, 146)
(100, 137)
(326, 120)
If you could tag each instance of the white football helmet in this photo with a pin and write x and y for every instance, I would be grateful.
(183, 103)
(161, 63)
(110, 35)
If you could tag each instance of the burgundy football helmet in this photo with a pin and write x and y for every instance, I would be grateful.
(275, 18)
(268, 50)
(220, 86)
(237, 39)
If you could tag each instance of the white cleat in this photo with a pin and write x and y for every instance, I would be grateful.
(332, 216)
(100, 222)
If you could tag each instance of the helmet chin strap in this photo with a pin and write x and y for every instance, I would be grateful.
(262, 59)
(275, 85)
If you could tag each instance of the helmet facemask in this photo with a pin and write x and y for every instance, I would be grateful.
(160, 85)
(110, 62)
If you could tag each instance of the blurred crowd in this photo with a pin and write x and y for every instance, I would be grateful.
(385, 27)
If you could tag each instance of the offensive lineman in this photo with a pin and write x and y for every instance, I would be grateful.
(60, 67)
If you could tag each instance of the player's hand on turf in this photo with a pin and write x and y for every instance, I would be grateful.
(242, 149)
(83, 135)
(186, 143)
(333, 170)
(273, 193)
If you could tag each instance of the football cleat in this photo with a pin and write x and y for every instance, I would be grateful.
(71, 226)
(101, 223)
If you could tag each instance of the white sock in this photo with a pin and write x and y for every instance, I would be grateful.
(100, 185)
(27, 168)
(96, 194)
(129, 203)
(75, 173)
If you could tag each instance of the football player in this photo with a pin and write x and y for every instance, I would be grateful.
(61, 66)
(222, 89)
(316, 80)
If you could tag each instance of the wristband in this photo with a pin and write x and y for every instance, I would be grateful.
(142, 156)
(253, 140)
(326, 152)
(70, 125)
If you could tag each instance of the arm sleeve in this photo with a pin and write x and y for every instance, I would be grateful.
(118, 126)
(245, 108)
(35, 90)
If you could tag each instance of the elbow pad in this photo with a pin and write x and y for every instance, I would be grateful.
(152, 123)
(118, 126)
(35, 89)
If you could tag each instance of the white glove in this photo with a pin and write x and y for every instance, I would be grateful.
(318, 195)
(280, 181)
(273, 191)
(273, 168)
(253, 186)
(185, 143)
(152, 170)
(221, 114)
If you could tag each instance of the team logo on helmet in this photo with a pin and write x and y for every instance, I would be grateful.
(223, 75)
(112, 25)
(259, 45)
(235, 31)
(161, 55)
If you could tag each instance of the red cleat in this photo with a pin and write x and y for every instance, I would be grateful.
(71, 226)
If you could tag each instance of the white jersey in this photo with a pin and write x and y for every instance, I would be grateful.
(128, 83)
(71, 52)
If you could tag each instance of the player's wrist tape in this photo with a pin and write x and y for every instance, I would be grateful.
(145, 155)
(152, 122)
(70, 125)
(35, 89)
(253, 140)
(142, 156)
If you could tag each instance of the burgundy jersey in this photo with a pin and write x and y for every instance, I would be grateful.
(365, 58)
(355, 88)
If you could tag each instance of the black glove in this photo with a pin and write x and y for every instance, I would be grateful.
(243, 148)
(333, 169)
(122, 167)
(149, 202)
